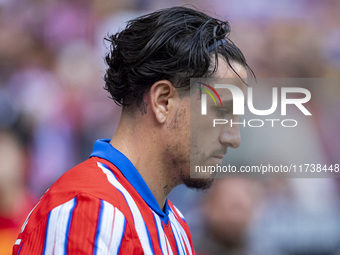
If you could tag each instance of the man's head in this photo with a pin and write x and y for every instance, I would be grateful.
(170, 44)
(150, 65)
(229, 208)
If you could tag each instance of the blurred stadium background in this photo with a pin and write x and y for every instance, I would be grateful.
(53, 107)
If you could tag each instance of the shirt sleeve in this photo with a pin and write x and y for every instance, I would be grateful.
(82, 225)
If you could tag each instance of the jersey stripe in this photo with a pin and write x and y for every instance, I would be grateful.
(47, 226)
(96, 245)
(111, 230)
(141, 229)
(27, 218)
(115, 240)
(69, 224)
(179, 213)
(149, 237)
(168, 246)
(178, 239)
(161, 235)
(181, 231)
(57, 228)
(19, 249)
(82, 234)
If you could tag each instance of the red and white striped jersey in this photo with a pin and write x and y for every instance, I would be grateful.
(103, 206)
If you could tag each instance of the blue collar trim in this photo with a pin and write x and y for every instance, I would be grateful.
(103, 149)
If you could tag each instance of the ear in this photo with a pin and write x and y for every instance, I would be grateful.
(162, 94)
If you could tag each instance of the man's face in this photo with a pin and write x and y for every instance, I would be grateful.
(208, 145)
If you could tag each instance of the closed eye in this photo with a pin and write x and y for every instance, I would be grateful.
(222, 111)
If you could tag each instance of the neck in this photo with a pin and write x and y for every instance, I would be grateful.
(141, 149)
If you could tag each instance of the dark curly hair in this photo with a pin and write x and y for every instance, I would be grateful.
(175, 44)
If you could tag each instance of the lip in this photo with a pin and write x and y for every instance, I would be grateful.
(220, 156)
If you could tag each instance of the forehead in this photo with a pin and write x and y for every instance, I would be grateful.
(224, 71)
(226, 74)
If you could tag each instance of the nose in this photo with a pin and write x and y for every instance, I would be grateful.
(230, 135)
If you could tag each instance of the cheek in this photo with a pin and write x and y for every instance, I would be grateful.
(194, 149)
(207, 134)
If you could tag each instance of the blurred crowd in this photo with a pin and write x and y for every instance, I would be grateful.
(53, 107)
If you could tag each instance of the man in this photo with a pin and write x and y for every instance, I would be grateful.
(115, 202)
(228, 212)
(15, 200)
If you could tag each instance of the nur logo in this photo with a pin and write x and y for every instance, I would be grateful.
(239, 99)
(204, 97)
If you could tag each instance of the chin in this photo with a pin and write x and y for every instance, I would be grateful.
(198, 183)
